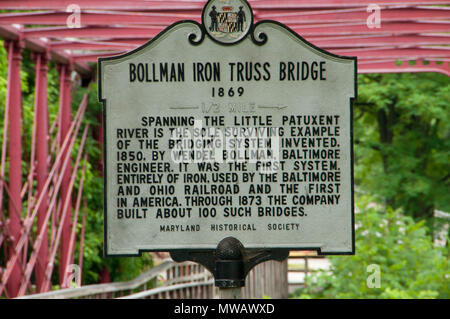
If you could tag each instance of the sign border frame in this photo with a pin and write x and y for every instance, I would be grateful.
(259, 40)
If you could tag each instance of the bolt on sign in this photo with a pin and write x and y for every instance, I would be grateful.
(228, 128)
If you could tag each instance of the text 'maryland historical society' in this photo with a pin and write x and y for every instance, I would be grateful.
(228, 128)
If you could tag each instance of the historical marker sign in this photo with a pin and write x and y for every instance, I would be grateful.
(228, 129)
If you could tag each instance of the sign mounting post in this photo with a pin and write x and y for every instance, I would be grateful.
(228, 134)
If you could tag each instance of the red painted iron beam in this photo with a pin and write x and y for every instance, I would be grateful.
(63, 222)
(94, 18)
(387, 53)
(14, 101)
(37, 45)
(323, 42)
(128, 41)
(304, 30)
(97, 18)
(74, 225)
(40, 234)
(93, 45)
(411, 54)
(94, 32)
(405, 67)
(66, 119)
(375, 41)
(29, 221)
(198, 4)
(81, 250)
(41, 109)
(396, 28)
(93, 57)
(296, 4)
(101, 5)
(355, 15)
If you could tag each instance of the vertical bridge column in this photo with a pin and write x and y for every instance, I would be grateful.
(65, 86)
(14, 101)
(41, 109)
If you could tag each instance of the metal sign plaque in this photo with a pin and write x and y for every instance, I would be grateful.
(228, 21)
(228, 128)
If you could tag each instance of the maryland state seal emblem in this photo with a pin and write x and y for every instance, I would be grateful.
(227, 21)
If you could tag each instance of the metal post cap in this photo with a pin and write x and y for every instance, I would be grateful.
(229, 248)
(230, 271)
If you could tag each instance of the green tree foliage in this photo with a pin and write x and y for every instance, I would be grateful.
(402, 159)
(410, 265)
(402, 144)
